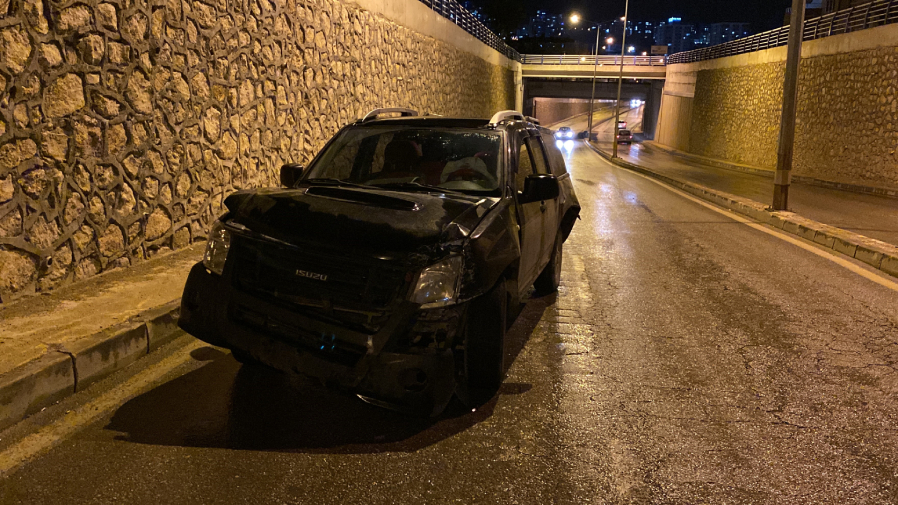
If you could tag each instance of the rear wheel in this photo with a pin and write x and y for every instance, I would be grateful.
(550, 278)
(484, 354)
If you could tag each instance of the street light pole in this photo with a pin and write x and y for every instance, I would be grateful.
(592, 97)
(620, 81)
(783, 176)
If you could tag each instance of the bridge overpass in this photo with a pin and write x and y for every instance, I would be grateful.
(571, 76)
(578, 67)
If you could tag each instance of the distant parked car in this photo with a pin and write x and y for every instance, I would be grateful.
(564, 133)
(624, 137)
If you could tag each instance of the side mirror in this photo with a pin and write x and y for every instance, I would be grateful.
(539, 187)
(290, 173)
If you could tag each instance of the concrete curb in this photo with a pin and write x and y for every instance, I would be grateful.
(876, 253)
(812, 181)
(62, 371)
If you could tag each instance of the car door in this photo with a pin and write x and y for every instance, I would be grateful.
(530, 215)
(548, 208)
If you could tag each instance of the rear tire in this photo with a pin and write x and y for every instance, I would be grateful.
(550, 278)
(483, 366)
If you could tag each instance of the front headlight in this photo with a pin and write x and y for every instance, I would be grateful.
(217, 248)
(438, 284)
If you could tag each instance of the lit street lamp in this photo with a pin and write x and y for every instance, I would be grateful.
(620, 81)
(576, 18)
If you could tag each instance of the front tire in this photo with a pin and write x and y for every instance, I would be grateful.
(483, 366)
(550, 278)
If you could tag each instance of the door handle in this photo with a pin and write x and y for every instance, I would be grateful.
(542, 206)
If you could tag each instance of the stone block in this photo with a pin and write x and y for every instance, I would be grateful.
(792, 227)
(106, 352)
(776, 221)
(33, 386)
(162, 324)
(844, 246)
(64, 96)
(825, 239)
(889, 265)
(869, 255)
(807, 232)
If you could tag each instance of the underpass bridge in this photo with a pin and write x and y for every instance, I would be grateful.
(571, 77)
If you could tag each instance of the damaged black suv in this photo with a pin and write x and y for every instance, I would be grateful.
(392, 266)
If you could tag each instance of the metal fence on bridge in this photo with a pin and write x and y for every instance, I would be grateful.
(453, 11)
(574, 59)
(859, 17)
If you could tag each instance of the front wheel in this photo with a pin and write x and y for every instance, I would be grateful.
(550, 278)
(483, 366)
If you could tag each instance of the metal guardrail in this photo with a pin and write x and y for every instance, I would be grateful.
(574, 59)
(453, 11)
(859, 17)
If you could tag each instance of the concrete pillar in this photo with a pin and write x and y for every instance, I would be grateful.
(652, 109)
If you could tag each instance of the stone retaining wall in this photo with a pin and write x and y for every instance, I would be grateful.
(847, 122)
(123, 123)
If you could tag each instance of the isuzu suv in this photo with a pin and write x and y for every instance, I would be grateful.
(391, 266)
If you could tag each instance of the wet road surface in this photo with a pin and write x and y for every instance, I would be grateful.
(687, 358)
(870, 215)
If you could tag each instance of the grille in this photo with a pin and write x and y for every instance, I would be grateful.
(347, 290)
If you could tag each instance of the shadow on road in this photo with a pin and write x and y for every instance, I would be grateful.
(225, 405)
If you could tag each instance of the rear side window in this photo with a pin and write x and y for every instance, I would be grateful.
(556, 159)
(525, 167)
(538, 154)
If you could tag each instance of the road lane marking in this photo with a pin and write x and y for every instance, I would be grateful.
(863, 272)
(60, 429)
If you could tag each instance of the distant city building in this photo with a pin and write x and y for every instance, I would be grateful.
(677, 36)
(544, 24)
(719, 33)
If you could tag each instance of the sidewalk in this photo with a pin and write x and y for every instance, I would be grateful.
(56, 344)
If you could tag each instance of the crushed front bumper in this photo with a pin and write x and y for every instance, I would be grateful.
(380, 366)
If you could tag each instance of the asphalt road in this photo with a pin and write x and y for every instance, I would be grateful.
(687, 358)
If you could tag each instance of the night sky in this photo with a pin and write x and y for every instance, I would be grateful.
(763, 14)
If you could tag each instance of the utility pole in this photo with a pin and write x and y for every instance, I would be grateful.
(620, 81)
(783, 176)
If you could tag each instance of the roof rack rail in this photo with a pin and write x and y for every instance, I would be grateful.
(403, 112)
(532, 120)
(506, 115)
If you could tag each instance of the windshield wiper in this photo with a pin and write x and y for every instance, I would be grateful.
(330, 181)
(414, 186)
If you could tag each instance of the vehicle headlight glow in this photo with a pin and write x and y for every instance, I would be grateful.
(438, 284)
(217, 248)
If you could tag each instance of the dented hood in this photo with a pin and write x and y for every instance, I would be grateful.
(369, 220)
